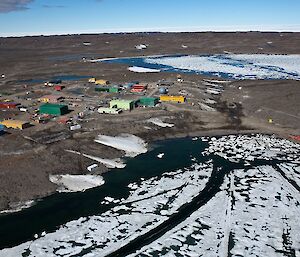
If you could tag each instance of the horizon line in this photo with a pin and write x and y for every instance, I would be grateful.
(254, 28)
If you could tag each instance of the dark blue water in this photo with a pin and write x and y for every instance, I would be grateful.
(219, 58)
(58, 209)
(140, 62)
(53, 211)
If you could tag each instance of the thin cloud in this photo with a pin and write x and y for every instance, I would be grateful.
(13, 5)
(53, 6)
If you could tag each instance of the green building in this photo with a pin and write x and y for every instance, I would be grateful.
(54, 109)
(107, 89)
(102, 89)
(122, 104)
(114, 90)
(148, 101)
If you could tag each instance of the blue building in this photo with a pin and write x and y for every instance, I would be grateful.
(2, 127)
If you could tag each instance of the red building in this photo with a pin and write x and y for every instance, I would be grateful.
(58, 88)
(138, 88)
(8, 105)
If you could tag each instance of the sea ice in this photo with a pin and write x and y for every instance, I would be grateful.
(161, 155)
(253, 213)
(237, 66)
(148, 205)
(248, 211)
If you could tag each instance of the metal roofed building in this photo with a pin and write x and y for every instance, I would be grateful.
(15, 124)
(53, 109)
(122, 104)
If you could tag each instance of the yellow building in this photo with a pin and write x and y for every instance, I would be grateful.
(15, 124)
(171, 98)
(44, 99)
(92, 80)
(50, 99)
(101, 82)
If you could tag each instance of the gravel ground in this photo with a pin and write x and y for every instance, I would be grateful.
(244, 106)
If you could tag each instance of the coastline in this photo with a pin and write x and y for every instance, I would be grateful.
(248, 105)
(190, 153)
(20, 206)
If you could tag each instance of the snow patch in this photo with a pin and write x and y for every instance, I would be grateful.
(18, 207)
(131, 144)
(141, 46)
(142, 70)
(76, 183)
(115, 163)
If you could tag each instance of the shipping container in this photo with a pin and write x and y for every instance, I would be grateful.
(75, 127)
(169, 98)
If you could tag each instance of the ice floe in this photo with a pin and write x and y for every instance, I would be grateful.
(253, 212)
(149, 204)
(249, 147)
(131, 144)
(160, 156)
(76, 183)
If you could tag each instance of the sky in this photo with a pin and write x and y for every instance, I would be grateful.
(48, 17)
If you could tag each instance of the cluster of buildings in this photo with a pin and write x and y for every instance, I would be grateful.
(50, 105)
(44, 109)
(104, 86)
(56, 104)
(116, 106)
